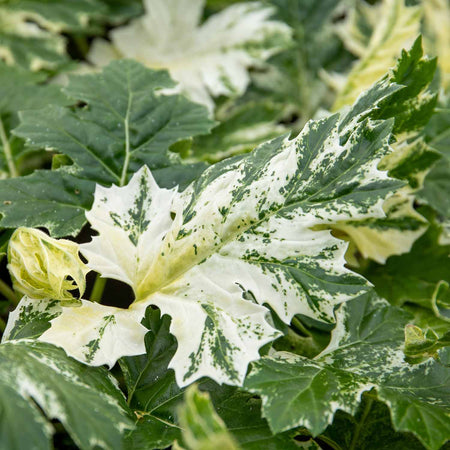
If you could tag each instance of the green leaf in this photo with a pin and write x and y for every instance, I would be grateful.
(121, 10)
(155, 396)
(426, 319)
(294, 77)
(437, 35)
(108, 140)
(20, 90)
(369, 429)
(55, 200)
(151, 388)
(209, 59)
(147, 376)
(203, 429)
(201, 260)
(86, 401)
(437, 181)
(112, 137)
(241, 413)
(366, 351)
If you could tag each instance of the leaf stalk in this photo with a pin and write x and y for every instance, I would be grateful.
(8, 152)
(8, 293)
(97, 290)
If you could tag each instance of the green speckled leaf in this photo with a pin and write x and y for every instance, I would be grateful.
(30, 318)
(366, 351)
(249, 231)
(405, 95)
(108, 139)
(85, 400)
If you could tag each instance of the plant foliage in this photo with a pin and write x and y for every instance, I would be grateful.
(224, 224)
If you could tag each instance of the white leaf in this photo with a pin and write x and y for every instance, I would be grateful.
(208, 59)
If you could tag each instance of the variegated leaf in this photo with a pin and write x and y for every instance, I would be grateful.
(208, 59)
(437, 35)
(415, 276)
(412, 106)
(244, 234)
(378, 239)
(30, 318)
(365, 352)
(32, 32)
(393, 26)
(39, 383)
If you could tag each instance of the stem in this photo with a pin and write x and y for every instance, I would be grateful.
(360, 424)
(8, 153)
(97, 290)
(297, 324)
(126, 163)
(8, 293)
(2, 325)
(328, 441)
(82, 44)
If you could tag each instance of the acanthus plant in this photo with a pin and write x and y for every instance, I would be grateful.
(168, 301)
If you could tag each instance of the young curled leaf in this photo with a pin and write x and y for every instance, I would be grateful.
(421, 345)
(43, 268)
(203, 429)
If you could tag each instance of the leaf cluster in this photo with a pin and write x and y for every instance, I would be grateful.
(254, 198)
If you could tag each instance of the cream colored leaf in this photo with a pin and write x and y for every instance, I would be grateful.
(395, 26)
(394, 235)
(437, 35)
(132, 223)
(96, 334)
